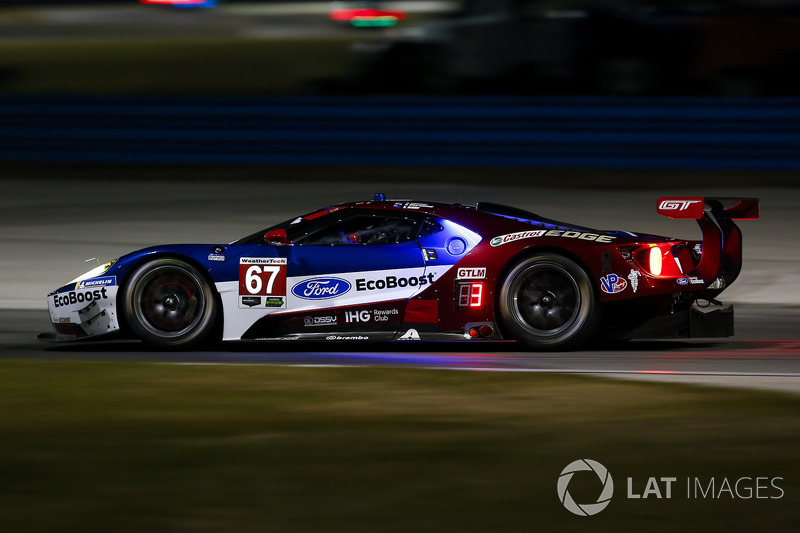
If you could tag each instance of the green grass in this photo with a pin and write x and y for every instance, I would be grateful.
(173, 66)
(117, 447)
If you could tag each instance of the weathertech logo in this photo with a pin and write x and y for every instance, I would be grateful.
(585, 509)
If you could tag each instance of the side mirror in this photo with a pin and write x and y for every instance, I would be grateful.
(277, 237)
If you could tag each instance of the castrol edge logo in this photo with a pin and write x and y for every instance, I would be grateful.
(511, 237)
(567, 234)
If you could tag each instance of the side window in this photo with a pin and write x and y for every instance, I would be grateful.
(428, 227)
(364, 229)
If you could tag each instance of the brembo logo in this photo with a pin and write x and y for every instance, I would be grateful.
(677, 205)
(321, 288)
(585, 509)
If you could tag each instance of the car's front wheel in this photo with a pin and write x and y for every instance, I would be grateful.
(547, 302)
(168, 303)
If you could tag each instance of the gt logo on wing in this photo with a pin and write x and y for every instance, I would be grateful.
(677, 205)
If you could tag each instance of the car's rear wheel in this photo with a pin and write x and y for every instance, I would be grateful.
(169, 303)
(547, 302)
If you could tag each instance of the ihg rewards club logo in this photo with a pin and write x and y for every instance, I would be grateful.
(585, 471)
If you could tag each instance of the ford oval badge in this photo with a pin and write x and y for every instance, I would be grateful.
(321, 288)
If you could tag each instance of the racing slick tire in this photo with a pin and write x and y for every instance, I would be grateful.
(547, 302)
(169, 304)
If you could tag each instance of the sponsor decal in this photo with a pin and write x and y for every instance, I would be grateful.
(596, 237)
(347, 338)
(683, 281)
(677, 205)
(216, 257)
(262, 261)
(634, 279)
(323, 288)
(612, 284)
(392, 282)
(96, 282)
(251, 301)
(566, 234)
(311, 321)
(274, 301)
(412, 205)
(357, 316)
(511, 237)
(410, 335)
(262, 277)
(368, 315)
(76, 297)
(261, 302)
(696, 281)
(471, 273)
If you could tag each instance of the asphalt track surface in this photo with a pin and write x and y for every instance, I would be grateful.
(50, 226)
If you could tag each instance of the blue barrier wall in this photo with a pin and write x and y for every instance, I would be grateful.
(482, 131)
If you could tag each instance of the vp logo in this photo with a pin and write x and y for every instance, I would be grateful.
(587, 509)
(612, 284)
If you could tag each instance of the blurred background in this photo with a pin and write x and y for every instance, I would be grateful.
(734, 48)
(708, 85)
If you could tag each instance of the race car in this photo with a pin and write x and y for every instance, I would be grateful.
(416, 270)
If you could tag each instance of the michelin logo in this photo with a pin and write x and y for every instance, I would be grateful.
(97, 282)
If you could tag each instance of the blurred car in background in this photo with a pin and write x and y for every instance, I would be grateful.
(617, 48)
(366, 14)
(183, 3)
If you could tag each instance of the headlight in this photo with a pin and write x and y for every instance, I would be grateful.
(93, 273)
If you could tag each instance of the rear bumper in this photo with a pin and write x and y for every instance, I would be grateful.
(708, 321)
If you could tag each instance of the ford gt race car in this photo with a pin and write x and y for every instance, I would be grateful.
(413, 270)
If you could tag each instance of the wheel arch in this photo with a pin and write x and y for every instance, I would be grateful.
(135, 265)
(525, 254)
(530, 251)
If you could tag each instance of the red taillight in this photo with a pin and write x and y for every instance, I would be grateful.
(656, 263)
(665, 259)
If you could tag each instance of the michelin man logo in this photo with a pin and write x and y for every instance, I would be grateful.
(587, 509)
(634, 279)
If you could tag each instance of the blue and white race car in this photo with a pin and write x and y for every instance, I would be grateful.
(407, 270)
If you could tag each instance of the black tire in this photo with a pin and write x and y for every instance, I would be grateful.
(168, 303)
(547, 302)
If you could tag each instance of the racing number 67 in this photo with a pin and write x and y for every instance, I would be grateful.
(254, 282)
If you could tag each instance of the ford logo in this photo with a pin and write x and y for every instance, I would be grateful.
(683, 281)
(321, 288)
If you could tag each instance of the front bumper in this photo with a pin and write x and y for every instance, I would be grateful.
(84, 309)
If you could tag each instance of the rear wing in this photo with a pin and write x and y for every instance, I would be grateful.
(695, 207)
(721, 258)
